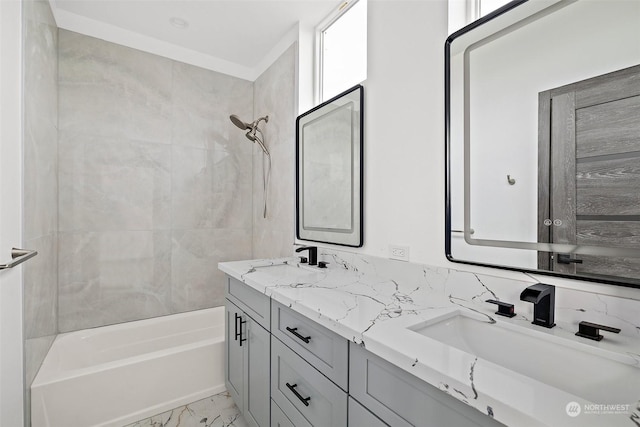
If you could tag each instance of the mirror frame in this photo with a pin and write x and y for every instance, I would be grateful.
(358, 184)
(448, 198)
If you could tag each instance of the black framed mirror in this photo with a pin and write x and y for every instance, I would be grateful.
(329, 170)
(543, 140)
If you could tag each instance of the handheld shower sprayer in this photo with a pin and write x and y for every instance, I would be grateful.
(252, 136)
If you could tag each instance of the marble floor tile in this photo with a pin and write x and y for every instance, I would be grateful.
(213, 411)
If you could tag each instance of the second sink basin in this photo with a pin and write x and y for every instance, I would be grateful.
(570, 366)
(294, 272)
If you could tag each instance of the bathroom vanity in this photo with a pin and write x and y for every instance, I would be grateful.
(349, 345)
(318, 377)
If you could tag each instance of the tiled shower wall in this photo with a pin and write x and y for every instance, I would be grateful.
(155, 183)
(274, 94)
(40, 230)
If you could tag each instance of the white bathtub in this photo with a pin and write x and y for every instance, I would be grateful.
(115, 375)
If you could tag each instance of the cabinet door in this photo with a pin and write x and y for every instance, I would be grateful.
(233, 356)
(256, 388)
(359, 416)
(278, 418)
(257, 305)
(305, 396)
(327, 351)
(403, 400)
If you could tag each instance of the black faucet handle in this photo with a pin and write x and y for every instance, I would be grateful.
(592, 330)
(303, 260)
(504, 308)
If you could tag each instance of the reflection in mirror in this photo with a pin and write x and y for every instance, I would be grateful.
(329, 171)
(544, 139)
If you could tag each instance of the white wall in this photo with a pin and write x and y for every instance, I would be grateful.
(404, 127)
(404, 138)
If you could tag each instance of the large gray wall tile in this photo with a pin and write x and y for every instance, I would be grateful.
(196, 280)
(40, 120)
(146, 149)
(274, 94)
(210, 189)
(113, 91)
(114, 276)
(40, 227)
(40, 282)
(202, 102)
(113, 185)
(40, 174)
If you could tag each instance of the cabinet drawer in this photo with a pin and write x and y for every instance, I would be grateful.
(278, 418)
(359, 416)
(252, 302)
(401, 399)
(325, 350)
(306, 396)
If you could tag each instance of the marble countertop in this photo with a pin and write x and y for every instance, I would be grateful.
(374, 310)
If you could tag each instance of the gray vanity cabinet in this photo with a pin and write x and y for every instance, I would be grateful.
(309, 370)
(306, 396)
(283, 369)
(403, 400)
(278, 418)
(325, 350)
(247, 353)
(359, 416)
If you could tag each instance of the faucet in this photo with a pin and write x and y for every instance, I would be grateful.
(543, 298)
(313, 253)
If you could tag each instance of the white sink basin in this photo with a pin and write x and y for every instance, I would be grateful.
(288, 271)
(579, 369)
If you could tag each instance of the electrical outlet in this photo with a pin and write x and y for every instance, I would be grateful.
(401, 253)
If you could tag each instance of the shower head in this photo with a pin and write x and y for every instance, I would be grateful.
(252, 136)
(239, 123)
(244, 125)
(252, 129)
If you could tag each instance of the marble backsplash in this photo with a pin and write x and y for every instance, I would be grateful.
(463, 287)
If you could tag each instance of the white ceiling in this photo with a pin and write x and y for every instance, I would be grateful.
(234, 34)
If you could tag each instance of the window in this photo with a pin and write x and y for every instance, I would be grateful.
(463, 12)
(487, 6)
(342, 49)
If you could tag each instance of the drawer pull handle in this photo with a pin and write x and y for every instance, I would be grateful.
(294, 332)
(239, 330)
(304, 400)
(236, 325)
